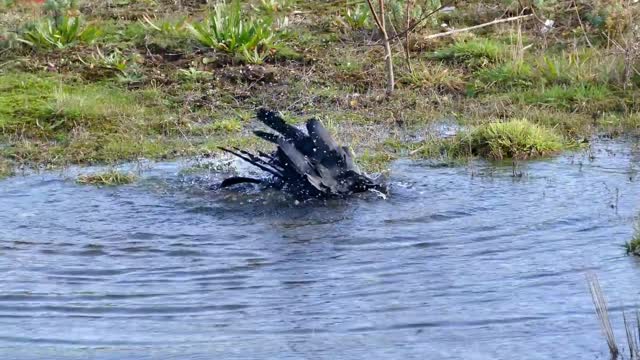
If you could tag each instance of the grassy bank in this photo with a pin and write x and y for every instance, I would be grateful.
(106, 82)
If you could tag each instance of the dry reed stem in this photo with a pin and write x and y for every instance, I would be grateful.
(603, 313)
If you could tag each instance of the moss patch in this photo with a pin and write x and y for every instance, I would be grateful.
(108, 178)
(56, 120)
(519, 139)
(45, 106)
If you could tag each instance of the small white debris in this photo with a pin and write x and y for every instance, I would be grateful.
(548, 26)
(381, 195)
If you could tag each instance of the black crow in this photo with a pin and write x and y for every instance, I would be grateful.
(308, 165)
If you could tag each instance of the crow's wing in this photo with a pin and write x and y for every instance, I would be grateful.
(291, 133)
(349, 164)
(293, 158)
(327, 179)
(274, 121)
(296, 163)
(267, 136)
(336, 159)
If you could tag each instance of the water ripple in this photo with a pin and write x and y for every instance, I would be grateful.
(459, 263)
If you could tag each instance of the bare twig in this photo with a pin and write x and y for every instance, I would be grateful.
(496, 21)
(584, 31)
(406, 37)
(422, 19)
(380, 23)
(630, 51)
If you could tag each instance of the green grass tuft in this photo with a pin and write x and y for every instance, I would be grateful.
(571, 97)
(519, 139)
(448, 150)
(633, 246)
(509, 75)
(475, 52)
(107, 178)
(375, 161)
(6, 169)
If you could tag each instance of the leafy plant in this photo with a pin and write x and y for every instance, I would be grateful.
(124, 66)
(170, 28)
(62, 33)
(275, 6)
(115, 61)
(193, 74)
(230, 30)
(256, 56)
(358, 16)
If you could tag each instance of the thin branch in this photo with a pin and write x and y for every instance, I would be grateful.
(584, 30)
(382, 17)
(380, 23)
(406, 37)
(422, 19)
(375, 16)
(496, 21)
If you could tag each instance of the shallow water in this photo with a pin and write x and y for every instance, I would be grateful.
(459, 263)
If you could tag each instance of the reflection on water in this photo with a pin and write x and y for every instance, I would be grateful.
(461, 263)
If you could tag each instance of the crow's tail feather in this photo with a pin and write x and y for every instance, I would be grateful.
(252, 160)
(239, 180)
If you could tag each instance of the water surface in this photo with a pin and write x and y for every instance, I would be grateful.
(458, 263)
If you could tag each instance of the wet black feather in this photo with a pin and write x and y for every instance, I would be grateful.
(309, 165)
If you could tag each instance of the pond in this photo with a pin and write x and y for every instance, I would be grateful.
(464, 262)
